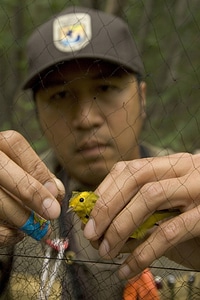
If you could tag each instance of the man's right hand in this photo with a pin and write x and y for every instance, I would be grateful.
(26, 186)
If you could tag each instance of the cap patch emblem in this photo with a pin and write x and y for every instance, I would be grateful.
(72, 32)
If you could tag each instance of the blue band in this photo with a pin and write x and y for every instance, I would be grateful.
(36, 227)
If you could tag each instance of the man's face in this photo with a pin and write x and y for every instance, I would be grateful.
(92, 115)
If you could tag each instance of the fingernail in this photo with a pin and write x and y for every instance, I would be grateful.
(104, 248)
(51, 208)
(89, 230)
(60, 187)
(56, 188)
(51, 187)
(124, 271)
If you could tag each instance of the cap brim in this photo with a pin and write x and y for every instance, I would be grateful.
(37, 76)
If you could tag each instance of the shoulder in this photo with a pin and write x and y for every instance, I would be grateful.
(152, 150)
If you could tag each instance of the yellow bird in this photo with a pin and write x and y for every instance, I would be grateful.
(82, 204)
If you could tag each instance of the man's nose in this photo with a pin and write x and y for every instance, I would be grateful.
(87, 114)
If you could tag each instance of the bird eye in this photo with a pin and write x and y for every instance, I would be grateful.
(81, 200)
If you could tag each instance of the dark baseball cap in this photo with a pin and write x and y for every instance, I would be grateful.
(80, 32)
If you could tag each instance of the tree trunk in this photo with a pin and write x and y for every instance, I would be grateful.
(14, 59)
(115, 7)
(175, 48)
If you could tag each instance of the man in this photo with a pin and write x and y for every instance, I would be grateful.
(86, 77)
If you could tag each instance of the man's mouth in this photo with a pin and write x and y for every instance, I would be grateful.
(91, 149)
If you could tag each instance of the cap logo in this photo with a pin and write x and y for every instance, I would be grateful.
(72, 32)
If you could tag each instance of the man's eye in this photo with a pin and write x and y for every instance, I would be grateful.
(59, 95)
(106, 87)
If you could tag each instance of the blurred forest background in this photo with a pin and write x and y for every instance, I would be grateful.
(167, 33)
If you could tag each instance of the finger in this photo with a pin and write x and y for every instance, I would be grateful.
(166, 194)
(110, 179)
(124, 181)
(177, 230)
(122, 187)
(18, 149)
(115, 192)
(147, 170)
(26, 188)
(15, 214)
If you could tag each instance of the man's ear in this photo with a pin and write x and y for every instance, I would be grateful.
(142, 92)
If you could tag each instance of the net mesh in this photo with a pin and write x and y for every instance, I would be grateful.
(167, 36)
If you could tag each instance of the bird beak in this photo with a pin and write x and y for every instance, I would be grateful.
(69, 209)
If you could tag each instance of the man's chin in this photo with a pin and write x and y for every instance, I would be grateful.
(91, 176)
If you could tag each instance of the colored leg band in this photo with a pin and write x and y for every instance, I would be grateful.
(35, 227)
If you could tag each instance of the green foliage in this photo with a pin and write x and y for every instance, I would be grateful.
(26, 122)
(170, 54)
